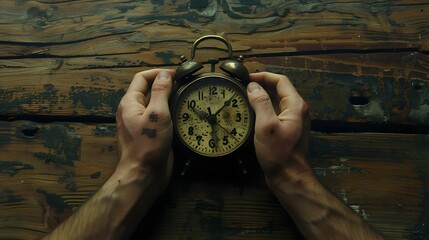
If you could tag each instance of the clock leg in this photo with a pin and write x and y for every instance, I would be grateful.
(242, 166)
(186, 166)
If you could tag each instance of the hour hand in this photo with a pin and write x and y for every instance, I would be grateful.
(200, 113)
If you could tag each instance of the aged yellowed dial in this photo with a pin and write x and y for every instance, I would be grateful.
(212, 116)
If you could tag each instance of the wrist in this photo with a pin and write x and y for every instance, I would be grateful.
(294, 173)
(133, 174)
(147, 164)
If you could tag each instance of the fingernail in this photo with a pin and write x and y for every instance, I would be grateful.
(253, 87)
(163, 75)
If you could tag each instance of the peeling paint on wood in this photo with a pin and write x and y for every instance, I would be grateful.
(347, 69)
(373, 111)
(105, 130)
(96, 100)
(339, 169)
(56, 210)
(7, 197)
(419, 102)
(63, 144)
(13, 167)
(330, 96)
(68, 181)
(367, 168)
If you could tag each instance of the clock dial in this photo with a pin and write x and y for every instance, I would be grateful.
(212, 116)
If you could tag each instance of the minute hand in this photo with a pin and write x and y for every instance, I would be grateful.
(225, 104)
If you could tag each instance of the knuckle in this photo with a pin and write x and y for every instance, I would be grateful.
(305, 108)
(160, 87)
(137, 75)
(262, 98)
(120, 109)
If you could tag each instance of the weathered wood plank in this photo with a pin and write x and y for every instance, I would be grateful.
(49, 170)
(76, 28)
(376, 88)
(75, 58)
(353, 62)
(373, 88)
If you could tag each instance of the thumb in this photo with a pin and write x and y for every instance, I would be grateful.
(160, 92)
(260, 101)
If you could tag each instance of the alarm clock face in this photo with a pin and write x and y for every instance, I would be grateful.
(212, 115)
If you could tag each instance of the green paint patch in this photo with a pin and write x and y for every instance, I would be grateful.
(9, 101)
(55, 201)
(330, 95)
(167, 56)
(17, 99)
(52, 158)
(126, 8)
(13, 167)
(63, 144)
(7, 196)
(68, 181)
(95, 100)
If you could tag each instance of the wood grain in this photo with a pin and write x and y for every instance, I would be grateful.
(48, 170)
(333, 85)
(133, 26)
(63, 62)
(76, 58)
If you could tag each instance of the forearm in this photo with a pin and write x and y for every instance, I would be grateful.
(120, 203)
(318, 213)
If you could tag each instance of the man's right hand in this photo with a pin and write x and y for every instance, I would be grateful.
(281, 128)
(281, 143)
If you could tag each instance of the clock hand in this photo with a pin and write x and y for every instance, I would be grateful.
(212, 121)
(214, 136)
(226, 131)
(225, 104)
(200, 113)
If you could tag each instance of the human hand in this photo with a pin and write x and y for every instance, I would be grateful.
(281, 128)
(144, 126)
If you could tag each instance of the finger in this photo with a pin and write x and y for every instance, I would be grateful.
(266, 117)
(139, 87)
(161, 89)
(287, 94)
(142, 80)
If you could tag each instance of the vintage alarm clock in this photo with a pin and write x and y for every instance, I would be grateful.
(211, 114)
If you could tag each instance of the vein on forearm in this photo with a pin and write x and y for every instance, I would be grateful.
(319, 214)
(111, 213)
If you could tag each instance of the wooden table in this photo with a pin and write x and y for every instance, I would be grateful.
(362, 67)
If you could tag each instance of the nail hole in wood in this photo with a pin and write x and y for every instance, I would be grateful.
(417, 85)
(358, 100)
(357, 97)
(30, 132)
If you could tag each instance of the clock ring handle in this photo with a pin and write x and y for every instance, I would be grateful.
(213, 37)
